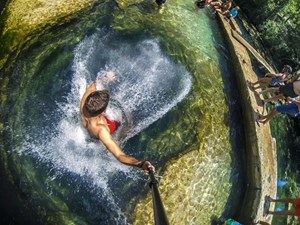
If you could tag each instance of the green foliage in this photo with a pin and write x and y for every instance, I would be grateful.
(291, 190)
(297, 143)
(278, 22)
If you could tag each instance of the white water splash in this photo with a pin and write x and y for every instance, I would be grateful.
(148, 85)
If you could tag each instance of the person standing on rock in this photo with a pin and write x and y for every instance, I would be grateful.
(292, 108)
(291, 89)
(219, 6)
(273, 79)
(291, 212)
(232, 13)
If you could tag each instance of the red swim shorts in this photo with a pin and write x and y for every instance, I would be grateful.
(112, 125)
(297, 207)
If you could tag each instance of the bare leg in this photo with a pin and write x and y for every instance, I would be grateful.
(218, 4)
(218, 10)
(275, 89)
(266, 80)
(264, 119)
(284, 200)
(262, 82)
(283, 213)
(259, 86)
(275, 98)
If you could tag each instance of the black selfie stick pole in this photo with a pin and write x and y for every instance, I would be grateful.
(160, 217)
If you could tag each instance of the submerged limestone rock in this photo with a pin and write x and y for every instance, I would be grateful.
(23, 19)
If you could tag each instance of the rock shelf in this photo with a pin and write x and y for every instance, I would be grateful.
(261, 158)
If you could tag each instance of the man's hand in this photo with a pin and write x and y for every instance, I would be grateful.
(110, 76)
(104, 78)
(146, 166)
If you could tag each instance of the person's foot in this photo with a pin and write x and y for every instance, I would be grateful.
(263, 123)
(271, 199)
(266, 205)
(268, 198)
(110, 76)
(257, 94)
(260, 123)
(259, 119)
(258, 115)
(261, 102)
(250, 85)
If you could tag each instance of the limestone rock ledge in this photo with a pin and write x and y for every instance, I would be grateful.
(24, 19)
(261, 161)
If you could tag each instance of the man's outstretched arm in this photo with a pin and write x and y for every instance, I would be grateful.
(114, 148)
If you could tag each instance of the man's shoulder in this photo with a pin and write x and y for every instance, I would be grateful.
(97, 130)
(103, 133)
(102, 129)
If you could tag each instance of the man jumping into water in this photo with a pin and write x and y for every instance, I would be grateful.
(92, 107)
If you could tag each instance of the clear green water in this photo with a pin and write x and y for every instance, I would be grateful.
(194, 137)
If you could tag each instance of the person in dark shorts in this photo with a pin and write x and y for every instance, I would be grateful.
(273, 79)
(288, 90)
(291, 109)
(291, 89)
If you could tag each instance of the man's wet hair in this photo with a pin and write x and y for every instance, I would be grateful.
(96, 102)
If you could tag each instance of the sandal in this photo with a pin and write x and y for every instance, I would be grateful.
(257, 94)
(250, 85)
(258, 122)
(267, 199)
